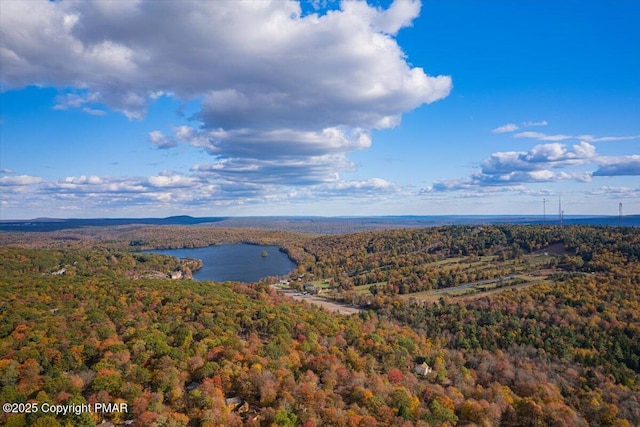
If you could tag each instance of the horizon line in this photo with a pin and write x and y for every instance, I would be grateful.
(549, 217)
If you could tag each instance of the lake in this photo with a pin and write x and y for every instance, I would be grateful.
(236, 262)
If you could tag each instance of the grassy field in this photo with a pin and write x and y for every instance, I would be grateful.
(476, 291)
(525, 271)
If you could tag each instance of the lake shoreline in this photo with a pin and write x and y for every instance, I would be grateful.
(236, 262)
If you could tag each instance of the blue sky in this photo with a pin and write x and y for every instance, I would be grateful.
(142, 108)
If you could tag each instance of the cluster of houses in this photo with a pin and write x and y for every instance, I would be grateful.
(307, 287)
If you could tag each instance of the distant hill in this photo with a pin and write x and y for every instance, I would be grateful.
(319, 225)
(52, 224)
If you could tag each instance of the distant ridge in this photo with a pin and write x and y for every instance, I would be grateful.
(52, 224)
(316, 224)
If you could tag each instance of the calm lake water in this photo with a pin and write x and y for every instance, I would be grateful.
(238, 262)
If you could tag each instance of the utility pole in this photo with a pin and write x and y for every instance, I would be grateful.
(544, 210)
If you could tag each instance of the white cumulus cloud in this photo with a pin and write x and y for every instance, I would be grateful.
(509, 127)
(591, 138)
(161, 141)
(19, 180)
(548, 163)
(626, 166)
(540, 123)
(273, 85)
(542, 136)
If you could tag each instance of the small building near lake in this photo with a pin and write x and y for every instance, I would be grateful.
(308, 287)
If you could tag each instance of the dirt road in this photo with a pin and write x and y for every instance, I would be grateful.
(319, 301)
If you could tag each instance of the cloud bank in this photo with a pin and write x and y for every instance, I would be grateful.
(287, 94)
(544, 163)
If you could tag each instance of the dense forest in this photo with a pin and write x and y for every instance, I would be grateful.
(408, 259)
(84, 318)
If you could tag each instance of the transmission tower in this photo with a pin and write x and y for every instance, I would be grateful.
(620, 213)
(560, 211)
